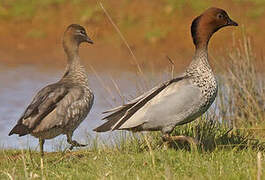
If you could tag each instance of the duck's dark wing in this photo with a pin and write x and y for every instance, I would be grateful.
(43, 103)
(119, 115)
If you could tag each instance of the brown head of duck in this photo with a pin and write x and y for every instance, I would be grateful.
(205, 25)
(73, 37)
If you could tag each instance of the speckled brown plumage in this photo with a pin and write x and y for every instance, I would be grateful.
(59, 108)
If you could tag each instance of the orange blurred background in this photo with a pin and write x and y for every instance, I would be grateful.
(31, 31)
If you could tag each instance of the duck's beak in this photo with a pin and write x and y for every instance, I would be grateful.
(88, 40)
(230, 22)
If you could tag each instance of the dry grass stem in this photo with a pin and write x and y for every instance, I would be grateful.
(139, 69)
(172, 66)
(259, 166)
(117, 89)
(107, 89)
(8, 175)
(150, 149)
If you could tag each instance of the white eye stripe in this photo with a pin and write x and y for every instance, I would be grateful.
(80, 33)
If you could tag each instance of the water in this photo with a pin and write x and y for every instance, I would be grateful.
(20, 84)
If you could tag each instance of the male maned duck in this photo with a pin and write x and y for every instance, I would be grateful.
(182, 99)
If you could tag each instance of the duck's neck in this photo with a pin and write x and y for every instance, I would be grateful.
(74, 66)
(200, 59)
(201, 37)
(201, 54)
(71, 49)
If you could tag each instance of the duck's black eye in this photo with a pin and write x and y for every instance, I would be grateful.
(220, 16)
(82, 32)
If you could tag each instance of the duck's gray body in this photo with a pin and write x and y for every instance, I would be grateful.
(176, 102)
(182, 99)
(59, 108)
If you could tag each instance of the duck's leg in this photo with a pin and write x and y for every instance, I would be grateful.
(73, 142)
(41, 142)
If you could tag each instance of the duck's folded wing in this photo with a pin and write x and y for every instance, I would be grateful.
(119, 111)
(69, 112)
(43, 103)
(119, 115)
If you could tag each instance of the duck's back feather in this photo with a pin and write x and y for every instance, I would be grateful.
(43, 103)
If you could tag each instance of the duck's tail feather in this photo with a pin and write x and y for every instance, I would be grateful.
(19, 129)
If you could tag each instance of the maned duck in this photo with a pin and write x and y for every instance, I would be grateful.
(59, 108)
(182, 99)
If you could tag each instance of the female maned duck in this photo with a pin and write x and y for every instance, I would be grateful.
(182, 99)
(59, 108)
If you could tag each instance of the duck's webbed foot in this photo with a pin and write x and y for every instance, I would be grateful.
(182, 139)
(73, 142)
(76, 144)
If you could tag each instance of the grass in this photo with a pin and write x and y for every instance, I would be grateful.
(142, 156)
(223, 154)
(117, 164)
(245, 88)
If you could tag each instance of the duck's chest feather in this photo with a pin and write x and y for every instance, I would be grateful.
(76, 105)
(202, 76)
(205, 80)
